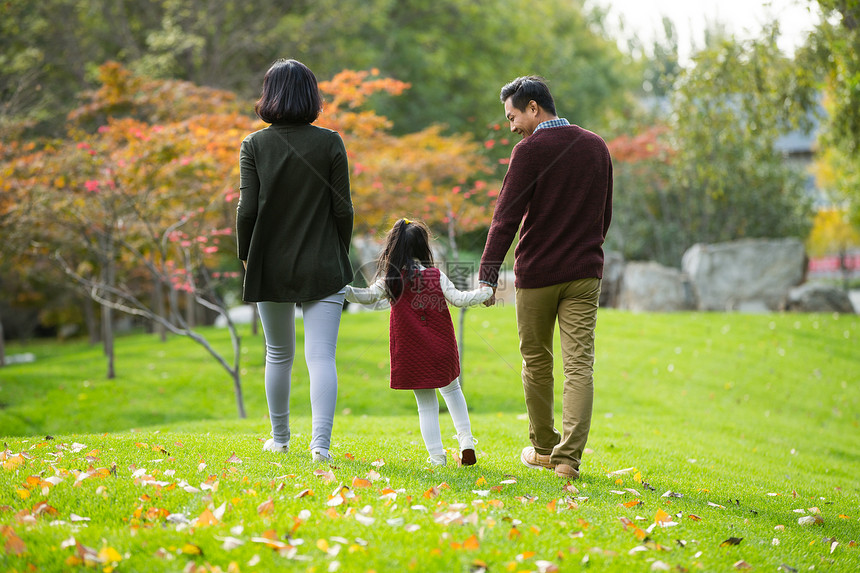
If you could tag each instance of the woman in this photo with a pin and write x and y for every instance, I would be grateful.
(294, 226)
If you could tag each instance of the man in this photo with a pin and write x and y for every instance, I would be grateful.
(559, 186)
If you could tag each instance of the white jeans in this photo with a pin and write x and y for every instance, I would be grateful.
(322, 322)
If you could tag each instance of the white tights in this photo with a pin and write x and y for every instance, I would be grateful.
(322, 321)
(428, 415)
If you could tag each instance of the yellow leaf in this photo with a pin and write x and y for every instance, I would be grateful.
(13, 462)
(191, 549)
(24, 493)
(109, 555)
(661, 516)
(481, 481)
(637, 477)
(619, 481)
(322, 545)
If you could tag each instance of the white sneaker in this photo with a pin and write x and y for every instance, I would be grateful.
(466, 442)
(467, 449)
(438, 459)
(320, 457)
(272, 446)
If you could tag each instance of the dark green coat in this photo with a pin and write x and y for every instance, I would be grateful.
(294, 220)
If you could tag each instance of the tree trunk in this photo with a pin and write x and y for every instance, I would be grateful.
(190, 308)
(91, 321)
(159, 307)
(107, 312)
(2, 345)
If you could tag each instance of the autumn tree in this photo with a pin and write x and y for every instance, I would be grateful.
(833, 52)
(139, 199)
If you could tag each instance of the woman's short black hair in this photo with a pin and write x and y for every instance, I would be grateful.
(290, 94)
(527, 88)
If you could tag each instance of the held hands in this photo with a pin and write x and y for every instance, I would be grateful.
(492, 300)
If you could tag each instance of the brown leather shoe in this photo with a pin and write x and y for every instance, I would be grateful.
(535, 460)
(566, 471)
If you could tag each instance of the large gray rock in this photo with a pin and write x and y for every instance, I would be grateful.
(613, 272)
(648, 287)
(746, 274)
(817, 297)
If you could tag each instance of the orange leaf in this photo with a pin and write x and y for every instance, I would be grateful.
(14, 544)
(471, 543)
(361, 482)
(304, 493)
(432, 492)
(514, 533)
(632, 503)
(694, 517)
(206, 518)
(349, 456)
(551, 506)
(266, 508)
(661, 516)
(43, 508)
(640, 533)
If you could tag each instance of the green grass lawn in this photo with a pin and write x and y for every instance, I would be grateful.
(750, 421)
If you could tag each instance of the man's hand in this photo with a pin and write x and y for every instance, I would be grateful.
(492, 300)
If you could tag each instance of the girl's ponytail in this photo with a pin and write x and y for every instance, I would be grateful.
(406, 242)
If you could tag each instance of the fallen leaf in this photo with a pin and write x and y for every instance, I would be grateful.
(14, 545)
(378, 463)
(514, 533)
(361, 482)
(234, 459)
(620, 472)
(267, 507)
(109, 555)
(742, 565)
(191, 549)
(206, 518)
(471, 543)
(694, 517)
(731, 541)
(718, 506)
(432, 492)
(326, 475)
(633, 503)
(661, 516)
(304, 493)
(74, 517)
(810, 520)
(480, 481)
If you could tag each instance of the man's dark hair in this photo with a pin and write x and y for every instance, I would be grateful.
(527, 88)
(290, 94)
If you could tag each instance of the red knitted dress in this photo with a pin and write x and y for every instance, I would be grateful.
(422, 343)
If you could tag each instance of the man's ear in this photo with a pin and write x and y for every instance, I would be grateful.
(533, 107)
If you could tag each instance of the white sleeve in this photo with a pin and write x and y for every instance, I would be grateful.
(373, 296)
(463, 298)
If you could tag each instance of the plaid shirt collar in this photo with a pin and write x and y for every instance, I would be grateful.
(552, 123)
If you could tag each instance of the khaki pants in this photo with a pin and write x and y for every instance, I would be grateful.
(574, 306)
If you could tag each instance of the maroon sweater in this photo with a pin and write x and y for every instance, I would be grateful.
(559, 185)
(422, 343)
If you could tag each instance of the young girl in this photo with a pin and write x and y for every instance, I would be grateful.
(422, 344)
